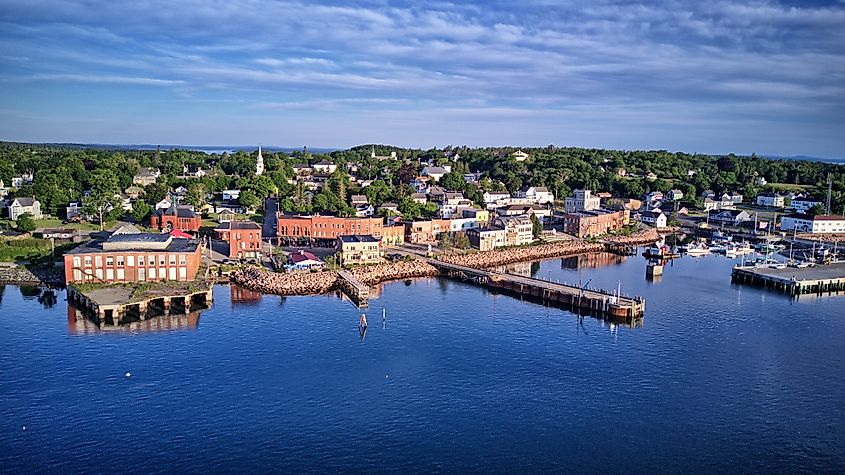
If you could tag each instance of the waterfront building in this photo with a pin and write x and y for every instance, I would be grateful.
(582, 200)
(482, 216)
(543, 214)
(244, 238)
(653, 218)
(818, 224)
(597, 222)
(304, 260)
(519, 230)
(425, 231)
(728, 217)
(486, 239)
(134, 257)
(326, 227)
(358, 249)
(20, 206)
(771, 200)
(176, 217)
(393, 234)
(146, 176)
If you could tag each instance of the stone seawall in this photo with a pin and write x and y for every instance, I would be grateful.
(22, 275)
(500, 257)
(312, 283)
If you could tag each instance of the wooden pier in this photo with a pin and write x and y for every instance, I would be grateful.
(356, 290)
(593, 300)
(794, 281)
(107, 305)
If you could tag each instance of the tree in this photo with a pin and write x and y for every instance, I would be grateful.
(461, 241)
(248, 199)
(816, 210)
(196, 194)
(140, 210)
(25, 223)
(453, 181)
(537, 226)
(445, 241)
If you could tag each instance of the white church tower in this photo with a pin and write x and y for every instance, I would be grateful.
(259, 164)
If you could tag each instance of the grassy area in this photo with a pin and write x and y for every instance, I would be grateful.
(57, 223)
(789, 187)
(36, 251)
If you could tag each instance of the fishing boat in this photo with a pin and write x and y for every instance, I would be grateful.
(698, 250)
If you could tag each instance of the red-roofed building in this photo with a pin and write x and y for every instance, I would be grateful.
(304, 260)
(176, 218)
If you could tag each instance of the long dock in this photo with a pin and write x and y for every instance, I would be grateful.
(794, 281)
(353, 288)
(599, 301)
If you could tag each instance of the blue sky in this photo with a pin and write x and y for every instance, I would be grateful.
(762, 76)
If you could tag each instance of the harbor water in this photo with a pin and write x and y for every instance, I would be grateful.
(716, 377)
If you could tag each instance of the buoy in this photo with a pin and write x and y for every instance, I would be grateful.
(128, 374)
(385, 376)
(24, 428)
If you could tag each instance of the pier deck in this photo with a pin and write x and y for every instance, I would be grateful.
(569, 295)
(354, 288)
(792, 280)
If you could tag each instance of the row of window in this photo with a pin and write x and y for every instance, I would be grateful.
(97, 261)
(142, 274)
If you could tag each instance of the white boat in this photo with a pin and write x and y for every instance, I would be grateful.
(701, 250)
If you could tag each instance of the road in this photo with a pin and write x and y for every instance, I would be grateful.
(268, 230)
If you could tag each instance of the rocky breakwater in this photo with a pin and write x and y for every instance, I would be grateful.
(297, 283)
(500, 257)
(22, 275)
(646, 236)
(372, 275)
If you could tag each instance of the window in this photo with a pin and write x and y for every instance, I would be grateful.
(142, 274)
(141, 261)
(109, 273)
(76, 262)
(182, 260)
(172, 273)
(130, 261)
(183, 273)
(87, 261)
(171, 259)
(161, 260)
(98, 261)
(161, 274)
(119, 261)
(152, 273)
(120, 274)
(109, 261)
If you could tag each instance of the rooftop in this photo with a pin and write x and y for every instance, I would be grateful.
(357, 238)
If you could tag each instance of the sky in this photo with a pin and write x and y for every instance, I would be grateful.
(698, 76)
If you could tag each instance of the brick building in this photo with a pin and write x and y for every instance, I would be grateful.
(593, 223)
(326, 227)
(244, 238)
(393, 235)
(176, 217)
(134, 257)
(425, 231)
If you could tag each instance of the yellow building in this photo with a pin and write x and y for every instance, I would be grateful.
(358, 249)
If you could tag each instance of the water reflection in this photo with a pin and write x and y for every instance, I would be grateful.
(242, 295)
(80, 323)
(592, 261)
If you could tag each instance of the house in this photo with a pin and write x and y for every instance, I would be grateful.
(519, 230)
(302, 170)
(134, 257)
(22, 180)
(420, 198)
(650, 176)
(73, 210)
(583, 200)
(710, 204)
(486, 239)
(592, 223)
(804, 204)
(480, 215)
(621, 172)
(653, 218)
(728, 217)
(436, 173)
(708, 194)
(543, 214)
(604, 195)
(146, 176)
(20, 206)
(231, 195)
(358, 200)
(324, 167)
(3, 190)
(244, 238)
(61, 233)
(176, 217)
(390, 208)
(364, 211)
(392, 155)
(675, 194)
(134, 192)
(691, 172)
(520, 156)
(126, 229)
(734, 197)
(818, 224)
(472, 177)
(771, 200)
(358, 249)
(538, 194)
(491, 197)
(304, 260)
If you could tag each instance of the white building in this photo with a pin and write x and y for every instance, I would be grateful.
(519, 230)
(259, 163)
(582, 201)
(520, 156)
(802, 205)
(21, 206)
(436, 173)
(653, 218)
(21, 180)
(231, 195)
(772, 200)
(494, 196)
(818, 224)
(537, 194)
(324, 167)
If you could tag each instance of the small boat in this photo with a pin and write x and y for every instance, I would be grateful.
(698, 250)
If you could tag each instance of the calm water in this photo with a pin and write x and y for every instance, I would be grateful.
(719, 377)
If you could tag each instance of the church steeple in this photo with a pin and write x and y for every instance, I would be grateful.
(373, 153)
(259, 163)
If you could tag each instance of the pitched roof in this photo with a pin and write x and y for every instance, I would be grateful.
(301, 256)
(27, 202)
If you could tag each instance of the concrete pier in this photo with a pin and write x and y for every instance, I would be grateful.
(353, 288)
(109, 306)
(792, 280)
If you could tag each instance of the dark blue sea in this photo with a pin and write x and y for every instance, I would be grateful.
(717, 378)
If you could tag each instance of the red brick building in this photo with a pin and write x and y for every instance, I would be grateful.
(176, 218)
(244, 238)
(594, 223)
(326, 227)
(134, 257)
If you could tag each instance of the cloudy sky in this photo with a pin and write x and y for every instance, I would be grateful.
(698, 76)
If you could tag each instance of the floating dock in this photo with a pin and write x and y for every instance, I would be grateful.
(593, 300)
(821, 279)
